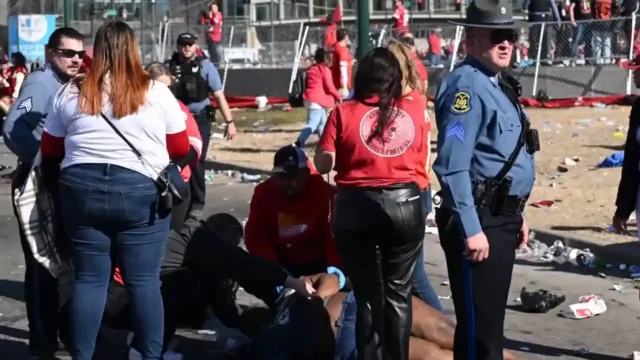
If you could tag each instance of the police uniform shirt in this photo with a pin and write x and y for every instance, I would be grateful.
(210, 74)
(478, 129)
(23, 125)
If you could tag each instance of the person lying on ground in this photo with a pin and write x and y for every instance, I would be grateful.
(431, 331)
(201, 265)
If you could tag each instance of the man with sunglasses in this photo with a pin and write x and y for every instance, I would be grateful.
(289, 219)
(21, 133)
(486, 170)
(195, 78)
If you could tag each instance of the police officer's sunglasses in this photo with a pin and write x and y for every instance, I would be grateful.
(68, 53)
(500, 35)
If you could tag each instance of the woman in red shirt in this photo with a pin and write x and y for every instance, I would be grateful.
(373, 142)
(320, 94)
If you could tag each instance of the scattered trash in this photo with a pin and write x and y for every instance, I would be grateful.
(448, 297)
(261, 102)
(599, 106)
(445, 283)
(613, 160)
(602, 275)
(217, 136)
(582, 351)
(543, 204)
(563, 169)
(257, 123)
(588, 306)
(618, 135)
(246, 178)
(622, 267)
(618, 288)
(569, 162)
(209, 177)
(540, 301)
(584, 122)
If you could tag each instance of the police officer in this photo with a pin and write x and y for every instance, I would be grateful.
(486, 170)
(195, 78)
(21, 133)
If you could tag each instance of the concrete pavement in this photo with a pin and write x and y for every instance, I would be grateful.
(534, 336)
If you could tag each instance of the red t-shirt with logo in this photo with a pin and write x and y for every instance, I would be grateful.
(215, 29)
(385, 160)
(402, 19)
(341, 54)
(292, 231)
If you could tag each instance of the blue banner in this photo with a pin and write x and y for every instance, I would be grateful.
(29, 35)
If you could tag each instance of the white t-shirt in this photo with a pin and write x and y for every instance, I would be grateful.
(90, 140)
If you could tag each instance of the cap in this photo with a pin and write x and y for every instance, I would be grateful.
(289, 160)
(631, 64)
(187, 38)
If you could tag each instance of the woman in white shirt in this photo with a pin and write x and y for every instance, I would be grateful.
(109, 196)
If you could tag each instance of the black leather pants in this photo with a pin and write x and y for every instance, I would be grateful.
(379, 233)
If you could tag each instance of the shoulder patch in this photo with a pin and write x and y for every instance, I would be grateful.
(461, 102)
(26, 105)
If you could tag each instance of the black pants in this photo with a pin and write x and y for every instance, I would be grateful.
(534, 36)
(179, 212)
(379, 233)
(480, 290)
(214, 52)
(41, 293)
(197, 181)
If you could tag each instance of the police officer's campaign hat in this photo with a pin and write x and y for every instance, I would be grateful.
(490, 14)
(186, 39)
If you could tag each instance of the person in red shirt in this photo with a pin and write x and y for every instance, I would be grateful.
(435, 47)
(401, 16)
(214, 33)
(408, 40)
(320, 94)
(342, 63)
(289, 218)
(372, 142)
(330, 34)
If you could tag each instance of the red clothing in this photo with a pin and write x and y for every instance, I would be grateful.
(292, 232)
(12, 78)
(330, 35)
(402, 19)
(422, 71)
(385, 160)
(341, 56)
(195, 140)
(320, 88)
(416, 100)
(215, 27)
(435, 46)
(312, 168)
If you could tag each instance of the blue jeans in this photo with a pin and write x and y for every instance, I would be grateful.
(316, 119)
(434, 59)
(422, 287)
(346, 336)
(111, 211)
(580, 33)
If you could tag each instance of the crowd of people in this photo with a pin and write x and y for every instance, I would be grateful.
(109, 193)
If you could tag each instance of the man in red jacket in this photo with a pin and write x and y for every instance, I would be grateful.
(290, 218)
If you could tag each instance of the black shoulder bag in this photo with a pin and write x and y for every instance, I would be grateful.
(172, 189)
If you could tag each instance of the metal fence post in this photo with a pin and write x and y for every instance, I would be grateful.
(226, 67)
(540, 46)
(296, 64)
(456, 46)
(67, 13)
(631, 43)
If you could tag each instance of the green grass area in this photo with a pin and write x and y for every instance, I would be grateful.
(252, 118)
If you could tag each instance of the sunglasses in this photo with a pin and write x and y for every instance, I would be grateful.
(501, 35)
(70, 54)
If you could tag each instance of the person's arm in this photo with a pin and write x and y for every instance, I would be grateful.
(215, 85)
(327, 83)
(458, 132)
(20, 76)
(195, 139)
(554, 9)
(175, 123)
(628, 186)
(572, 12)
(23, 125)
(257, 230)
(325, 157)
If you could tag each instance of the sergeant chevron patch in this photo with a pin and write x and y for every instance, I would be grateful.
(455, 130)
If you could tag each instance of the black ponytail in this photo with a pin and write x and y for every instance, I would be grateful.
(379, 75)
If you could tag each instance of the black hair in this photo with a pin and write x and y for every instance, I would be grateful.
(18, 59)
(66, 32)
(320, 56)
(379, 74)
(225, 227)
(341, 34)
